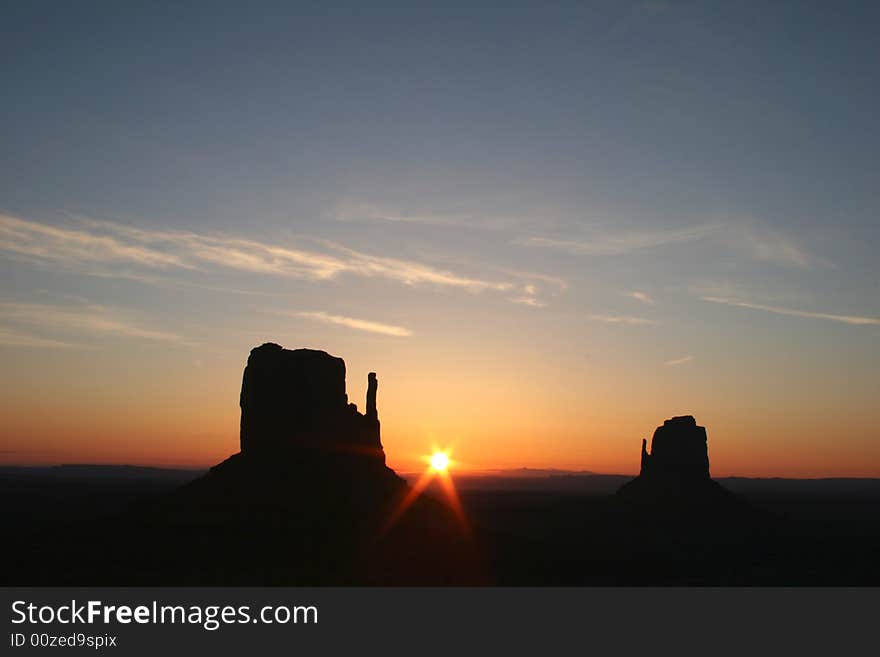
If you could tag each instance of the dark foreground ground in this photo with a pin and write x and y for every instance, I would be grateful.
(528, 530)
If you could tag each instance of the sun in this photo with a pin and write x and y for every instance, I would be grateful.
(440, 461)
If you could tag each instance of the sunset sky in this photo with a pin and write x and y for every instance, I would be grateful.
(547, 226)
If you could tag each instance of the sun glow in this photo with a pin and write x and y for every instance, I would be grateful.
(436, 472)
(440, 461)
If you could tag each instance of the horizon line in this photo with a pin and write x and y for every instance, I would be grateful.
(496, 472)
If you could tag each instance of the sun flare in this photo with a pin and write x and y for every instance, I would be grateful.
(440, 461)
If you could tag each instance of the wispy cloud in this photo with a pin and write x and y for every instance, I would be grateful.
(411, 273)
(368, 212)
(845, 319)
(766, 244)
(351, 211)
(528, 301)
(529, 297)
(354, 323)
(754, 240)
(11, 338)
(43, 242)
(91, 246)
(679, 361)
(640, 296)
(623, 319)
(608, 244)
(555, 284)
(82, 318)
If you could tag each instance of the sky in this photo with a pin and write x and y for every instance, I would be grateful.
(547, 226)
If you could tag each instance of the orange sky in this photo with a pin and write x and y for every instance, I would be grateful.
(143, 406)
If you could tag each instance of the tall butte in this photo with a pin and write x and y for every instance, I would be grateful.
(294, 400)
(309, 497)
(307, 501)
(674, 475)
(300, 433)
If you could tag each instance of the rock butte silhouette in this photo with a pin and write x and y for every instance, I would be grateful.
(679, 452)
(674, 476)
(307, 501)
(296, 398)
(308, 498)
(296, 417)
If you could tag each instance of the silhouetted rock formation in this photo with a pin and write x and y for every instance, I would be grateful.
(372, 386)
(678, 451)
(296, 398)
(674, 476)
(307, 500)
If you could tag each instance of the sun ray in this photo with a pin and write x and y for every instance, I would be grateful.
(452, 498)
(439, 463)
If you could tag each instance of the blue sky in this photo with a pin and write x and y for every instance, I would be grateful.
(654, 196)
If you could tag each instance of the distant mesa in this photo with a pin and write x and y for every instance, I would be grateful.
(674, 476)
(679, 452)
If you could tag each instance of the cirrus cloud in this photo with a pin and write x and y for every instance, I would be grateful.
(791, 312)
(624, 319)
(354, 323)
(640, 296)
(750, 238)
(106, 248)
(22, 319)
